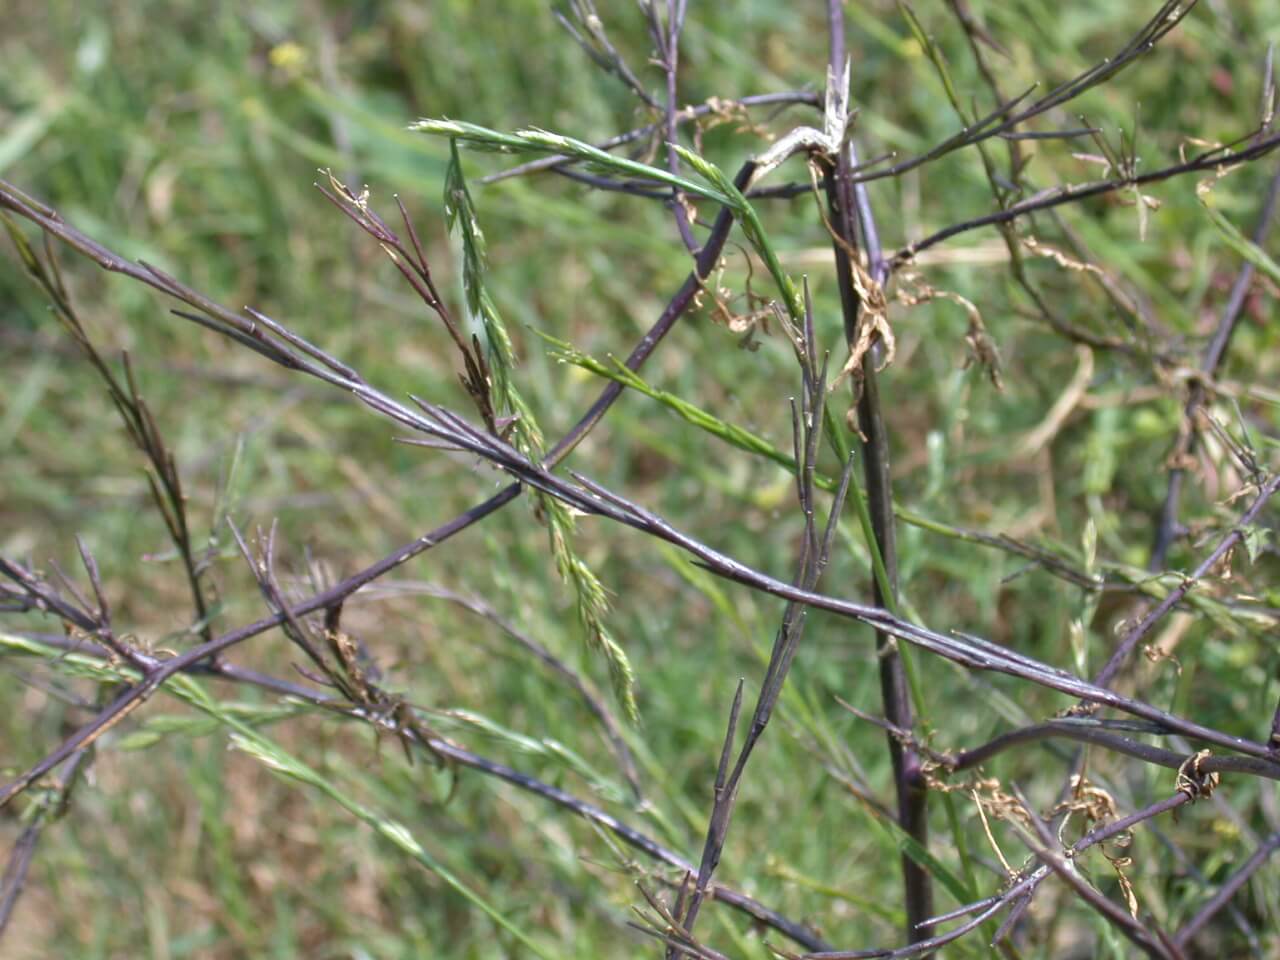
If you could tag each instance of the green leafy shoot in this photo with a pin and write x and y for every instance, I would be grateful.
(541, 142)
(1232, 236)
(590, 600)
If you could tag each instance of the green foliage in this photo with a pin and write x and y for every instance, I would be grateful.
(589, 595)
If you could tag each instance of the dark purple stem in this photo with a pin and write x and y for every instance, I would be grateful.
(671, 64)
(851, 205)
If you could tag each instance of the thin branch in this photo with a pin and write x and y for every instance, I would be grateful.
(593, 701)
(1135, 635)
(668, 36)
(248, 330)
(459, 755)
(1005, 117)
(52, 806)
(1168, 527)
(1214, 159)
(815, 551)
(1050, 853)
(1228, 890)
(596, 44)
(163, 478)
(1103, 734)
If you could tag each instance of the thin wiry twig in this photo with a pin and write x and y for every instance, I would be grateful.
(593, 701)
(815, 552)
(1006, 116)
(460, 756)
(666, 37)
(1185, 863)
(163, 478)
(248, 332)
(1168, 527)
(52, 807)
(1049, 851)
(1229, 888)
(1218, 157)
(1228, 543)
(1104, 734)
(587, 30)
(1107, 734)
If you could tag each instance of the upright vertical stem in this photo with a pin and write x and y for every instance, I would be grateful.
(851, 205)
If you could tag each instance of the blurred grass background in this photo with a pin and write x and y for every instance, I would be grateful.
(189, 135)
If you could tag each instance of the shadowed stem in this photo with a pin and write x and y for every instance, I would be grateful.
(850, 205)
(667, 38)
(1108, 736)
